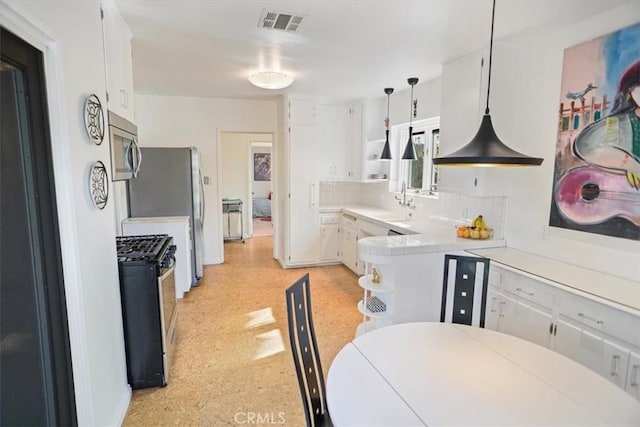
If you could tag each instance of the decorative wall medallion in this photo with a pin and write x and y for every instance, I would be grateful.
(94, 119)
(99, 185)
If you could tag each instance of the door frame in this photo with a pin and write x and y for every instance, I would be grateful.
(31, 29)
(275, 179)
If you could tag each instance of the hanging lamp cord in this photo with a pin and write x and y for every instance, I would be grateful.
(411, 107)
(493, 14)
(387, 121)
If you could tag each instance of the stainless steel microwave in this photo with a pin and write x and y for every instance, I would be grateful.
(126, 156)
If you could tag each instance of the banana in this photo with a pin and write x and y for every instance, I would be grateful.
(478, 222)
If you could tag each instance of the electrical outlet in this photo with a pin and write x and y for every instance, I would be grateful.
(205, 179)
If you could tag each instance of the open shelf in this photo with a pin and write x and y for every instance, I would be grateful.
(366, 283)
(377, 315)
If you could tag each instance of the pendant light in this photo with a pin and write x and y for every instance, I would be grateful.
(486, 149)
(410, 151)
(386, 151)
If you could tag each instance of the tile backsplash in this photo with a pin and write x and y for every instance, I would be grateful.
(454, 208)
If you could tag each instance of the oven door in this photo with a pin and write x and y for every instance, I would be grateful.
(168, 315)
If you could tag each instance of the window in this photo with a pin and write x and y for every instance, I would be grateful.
(420, 175)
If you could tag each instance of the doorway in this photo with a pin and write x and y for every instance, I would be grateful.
(260, 188)
(36, 385)
(237, 174)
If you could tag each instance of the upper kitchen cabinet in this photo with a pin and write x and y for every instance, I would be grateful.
(302, 111)
(340, 140)
(461, 110)
(118, 61)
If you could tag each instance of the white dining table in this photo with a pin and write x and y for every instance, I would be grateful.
(433, 374)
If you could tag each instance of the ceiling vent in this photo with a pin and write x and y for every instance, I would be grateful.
(279, 21)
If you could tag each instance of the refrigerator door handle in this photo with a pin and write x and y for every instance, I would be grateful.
(202, 207)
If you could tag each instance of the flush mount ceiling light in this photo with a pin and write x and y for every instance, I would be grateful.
(270, 79)
(386, 151)
(410, 151)
(486, 149)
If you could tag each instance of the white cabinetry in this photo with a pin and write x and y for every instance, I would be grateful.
(460, 114)
(330, 237)
(633, 376)
(339, 139)
(118, 62)
(354, 229)
(304, 233)
(349, 242)
(596, 335)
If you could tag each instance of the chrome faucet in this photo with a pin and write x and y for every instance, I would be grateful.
(402, 201)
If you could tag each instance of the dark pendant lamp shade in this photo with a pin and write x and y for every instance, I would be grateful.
(410, 151)
(386, 151)
(486, 149)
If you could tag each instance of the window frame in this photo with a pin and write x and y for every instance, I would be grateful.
(431, 129)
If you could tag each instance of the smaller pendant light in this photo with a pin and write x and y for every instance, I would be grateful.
(386, 151)
(410, 151)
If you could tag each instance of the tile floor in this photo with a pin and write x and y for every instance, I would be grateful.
(232, 357)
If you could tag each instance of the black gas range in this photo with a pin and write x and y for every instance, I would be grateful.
(146, 267)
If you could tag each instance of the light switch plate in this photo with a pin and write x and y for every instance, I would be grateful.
(205, 179)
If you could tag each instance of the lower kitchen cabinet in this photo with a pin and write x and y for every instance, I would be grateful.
(593, 334)
(349, 246)
(633, 376)
(329, 242)
(592, 350)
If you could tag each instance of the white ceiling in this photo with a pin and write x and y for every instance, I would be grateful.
(350, 48)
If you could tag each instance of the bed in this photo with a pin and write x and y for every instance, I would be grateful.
(261, 207)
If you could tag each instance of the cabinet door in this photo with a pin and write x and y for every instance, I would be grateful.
(330, 242)
(633, 376)
(333, 141)
(460, 117)
(302, 112)
(525, 321)
(304, 230)
(118, 63)
(492, 313)
(355, 141)
(349, 247)
(592, 350)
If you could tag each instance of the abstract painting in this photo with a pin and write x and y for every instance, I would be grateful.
(596, 183)
(262, 166)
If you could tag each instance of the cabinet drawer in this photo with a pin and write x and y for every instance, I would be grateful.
(600, 317)
(329, 219)
(526, 288)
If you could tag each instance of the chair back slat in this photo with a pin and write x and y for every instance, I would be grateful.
(305, 351)
(464, 295)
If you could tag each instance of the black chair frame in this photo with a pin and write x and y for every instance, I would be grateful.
(305, 353)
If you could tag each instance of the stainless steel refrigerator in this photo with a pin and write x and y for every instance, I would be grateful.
(170, 184)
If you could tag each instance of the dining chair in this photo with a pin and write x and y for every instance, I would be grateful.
(464, 292)
(305, 353)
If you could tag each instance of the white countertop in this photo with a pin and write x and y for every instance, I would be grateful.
(446, 374)
(569, 277)
(421, 235)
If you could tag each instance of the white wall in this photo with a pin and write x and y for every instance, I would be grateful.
(531, 128)
(173, 121)
(70, 35)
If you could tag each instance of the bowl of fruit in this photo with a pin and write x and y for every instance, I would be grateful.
(477, 230)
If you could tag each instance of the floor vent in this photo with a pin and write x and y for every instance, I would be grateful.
(279, 21)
